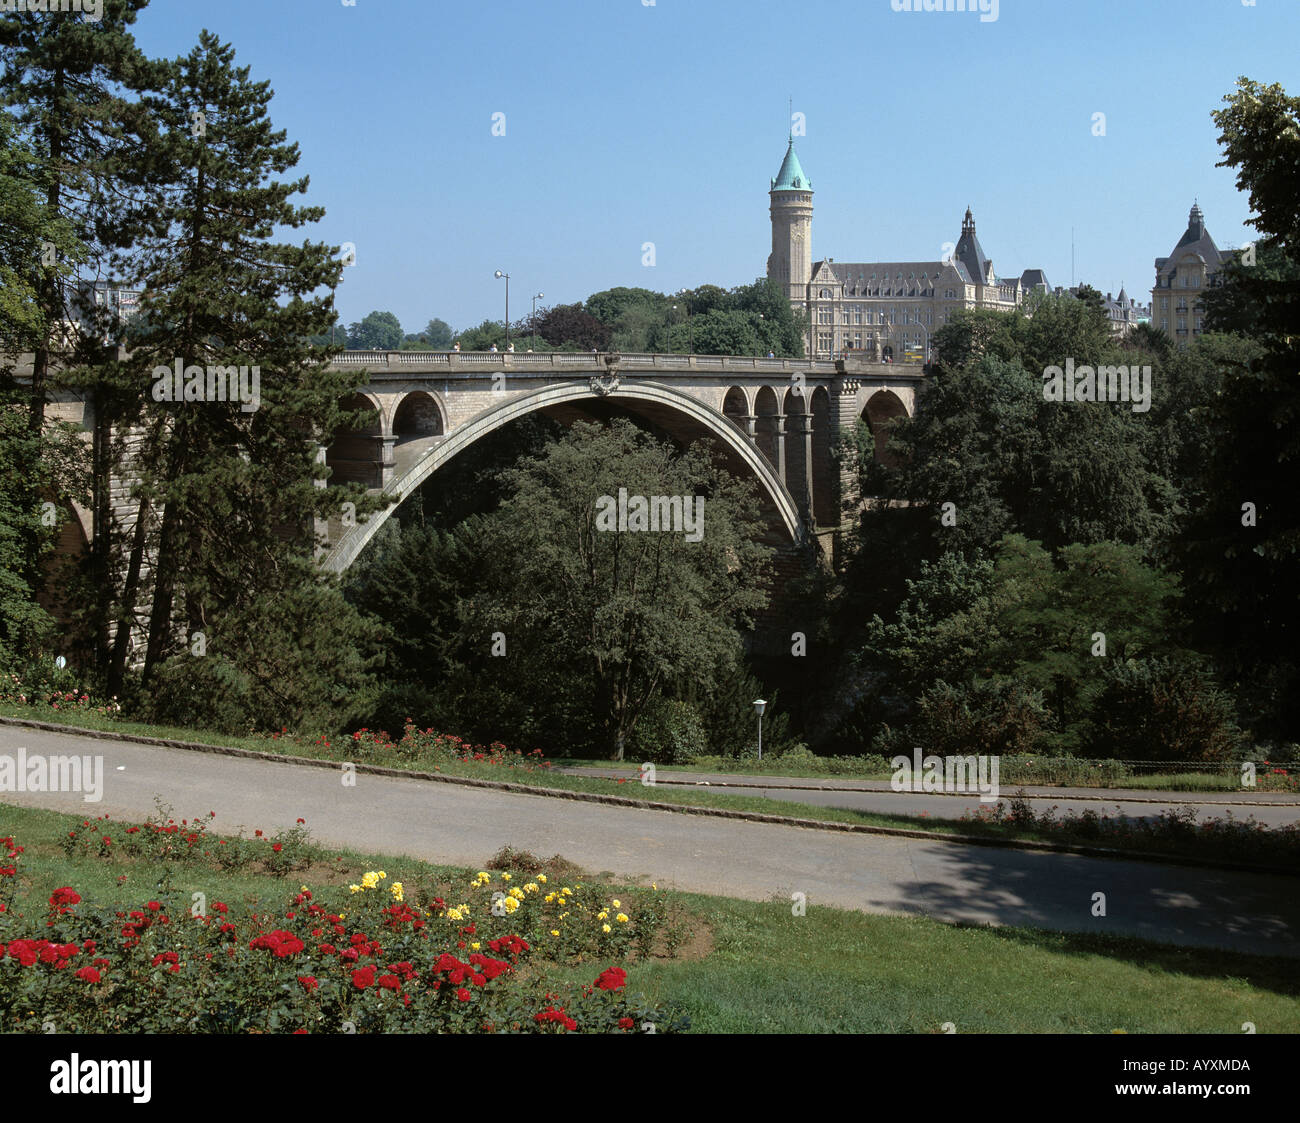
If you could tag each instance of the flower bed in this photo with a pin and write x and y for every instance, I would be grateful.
(377, 956)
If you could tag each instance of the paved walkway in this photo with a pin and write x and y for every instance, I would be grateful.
(1273, 809)
(449, 823)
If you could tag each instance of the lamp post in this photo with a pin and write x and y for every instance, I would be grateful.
(536, 298)
(499, 275)
(759, 706)
(690, 327)
(926, 352)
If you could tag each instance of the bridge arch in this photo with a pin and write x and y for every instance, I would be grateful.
(419, 413)
(881, 408)
(736, 407)
(653, 401)
(356, 454)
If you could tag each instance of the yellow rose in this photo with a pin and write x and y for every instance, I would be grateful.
(382, 875)
(531, 887)
(605, 928)
(453, 914)
(621, 918)
(542, 878)
(555, 931)
(602, 915)
(618, 904)
(505, 877)
(475, 946)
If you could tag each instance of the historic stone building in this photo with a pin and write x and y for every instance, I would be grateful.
(884, 309)
(1189, 270)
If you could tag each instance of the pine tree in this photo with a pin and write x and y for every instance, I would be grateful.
(69, 75)
(229, 487)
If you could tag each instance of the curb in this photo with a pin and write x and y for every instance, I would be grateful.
(651, 805)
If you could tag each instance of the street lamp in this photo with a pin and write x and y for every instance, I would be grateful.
(499, 275)
(690, 327)
(536, 298)
(908, 321)
(759, 706)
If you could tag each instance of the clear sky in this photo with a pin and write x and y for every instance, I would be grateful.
(629, 122)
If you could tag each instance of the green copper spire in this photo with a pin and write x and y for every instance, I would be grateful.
(791, 177)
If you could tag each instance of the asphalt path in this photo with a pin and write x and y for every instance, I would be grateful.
(1273, 809)
(459, 825)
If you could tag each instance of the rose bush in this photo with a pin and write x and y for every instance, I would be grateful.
(377, 957)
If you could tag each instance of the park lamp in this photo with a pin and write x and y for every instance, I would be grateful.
(759, 706)
(506, 276)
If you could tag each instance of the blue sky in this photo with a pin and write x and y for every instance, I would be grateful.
(629, 122)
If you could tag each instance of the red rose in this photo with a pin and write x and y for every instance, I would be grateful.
(308, 982)
(277, 848)
(363, 978)
(390, 982)
(625, 1023)
(61, 898)
(612, 978)
(463, 994)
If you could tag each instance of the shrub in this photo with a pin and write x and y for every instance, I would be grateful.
(377, 956)
(990, 717)
(669, 732)
(1163, 709)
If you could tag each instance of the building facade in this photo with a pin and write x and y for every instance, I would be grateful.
(1188, 271)
(882, 309)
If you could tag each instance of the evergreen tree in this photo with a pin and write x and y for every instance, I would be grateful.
(228, 486)
(67, 76)
(1241, 547)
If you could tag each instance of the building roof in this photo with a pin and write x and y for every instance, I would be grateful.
(791, 176)
(970, 253)
(1032, 278)
(1196, 240)
(893, 275)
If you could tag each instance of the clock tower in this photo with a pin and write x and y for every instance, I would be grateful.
(790, 263)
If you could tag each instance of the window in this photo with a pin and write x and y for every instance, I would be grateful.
(857, 314)
(846, 317)
(824, 341)
(825, 316)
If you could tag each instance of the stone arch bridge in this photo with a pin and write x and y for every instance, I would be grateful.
(774, 420)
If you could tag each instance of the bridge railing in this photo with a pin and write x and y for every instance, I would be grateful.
(570, 361)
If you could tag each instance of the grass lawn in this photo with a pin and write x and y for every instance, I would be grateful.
(755, 968)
